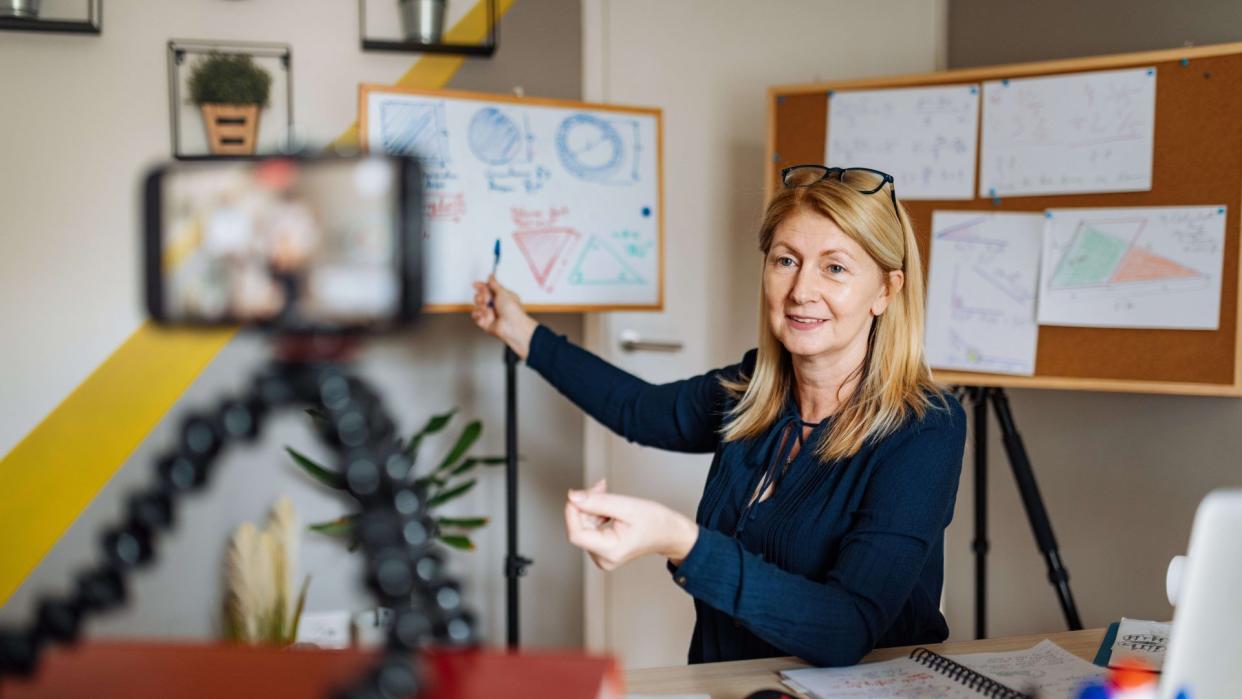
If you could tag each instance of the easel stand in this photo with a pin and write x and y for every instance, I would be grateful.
(1032, 502)
(515, 564)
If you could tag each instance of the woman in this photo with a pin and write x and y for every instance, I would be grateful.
(821, 526)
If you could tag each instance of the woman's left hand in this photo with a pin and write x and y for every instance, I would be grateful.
(616, 529)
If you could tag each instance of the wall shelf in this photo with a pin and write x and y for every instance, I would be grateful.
(419, 47)
(485, 49)
(91, 24)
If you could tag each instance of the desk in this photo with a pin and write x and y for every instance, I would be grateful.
(734, 680)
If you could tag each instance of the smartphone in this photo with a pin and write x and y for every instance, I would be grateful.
(296, 244)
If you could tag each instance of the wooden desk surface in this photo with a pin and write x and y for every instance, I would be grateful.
(734, 680)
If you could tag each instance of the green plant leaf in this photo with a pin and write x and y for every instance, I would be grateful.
(341, 527)
(317, 415)
(473, 461)
(468, 437)
(463, 522)
(324, 475)
(429, 481)
(457, 541)
(452, 493)
(229, 79)
(297, 611)
(435, 424)
(465, 466)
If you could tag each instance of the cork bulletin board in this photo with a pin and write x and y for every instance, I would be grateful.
(1197, 161)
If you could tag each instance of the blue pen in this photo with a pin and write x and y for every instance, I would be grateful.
(491, 303)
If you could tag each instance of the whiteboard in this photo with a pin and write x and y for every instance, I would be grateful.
(572, 191)
(924, 137)
(1069, 134)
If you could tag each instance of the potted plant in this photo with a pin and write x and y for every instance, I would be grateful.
(446, 481)
(261, 603)
(230, 89)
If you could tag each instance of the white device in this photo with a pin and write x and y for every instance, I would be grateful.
(1204, 660)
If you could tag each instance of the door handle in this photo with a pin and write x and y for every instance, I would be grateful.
(632, 342)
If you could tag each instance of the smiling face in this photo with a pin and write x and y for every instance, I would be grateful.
(821, 289)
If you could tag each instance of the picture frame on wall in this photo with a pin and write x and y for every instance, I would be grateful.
(212, 86)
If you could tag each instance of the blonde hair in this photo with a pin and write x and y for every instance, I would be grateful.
(894, 381)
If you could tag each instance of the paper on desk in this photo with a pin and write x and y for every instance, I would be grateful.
(1051, 669)
(901, 678)
(1141, 640)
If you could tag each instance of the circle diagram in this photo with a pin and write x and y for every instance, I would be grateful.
(494, 137)
(589, 147)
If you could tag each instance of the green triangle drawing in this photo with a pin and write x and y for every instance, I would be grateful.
(600, 264)
(1090, 260)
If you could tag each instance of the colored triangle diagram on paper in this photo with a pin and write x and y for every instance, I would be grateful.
(600, 264)
(542, 248)
(1090, 260)
(1140, 265)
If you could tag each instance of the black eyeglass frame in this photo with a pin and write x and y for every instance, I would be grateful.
(828, 172)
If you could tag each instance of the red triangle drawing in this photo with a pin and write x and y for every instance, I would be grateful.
(542, 248)
(1139, 265)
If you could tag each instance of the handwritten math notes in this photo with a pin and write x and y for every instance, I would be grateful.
(1086, 132)
(1144, 641)
(1049, 669)
(1046, 669)
(572, 192)
(981, 291)
(924, 137)
(1143, 267)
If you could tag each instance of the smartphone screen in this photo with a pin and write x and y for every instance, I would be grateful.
(296, 243)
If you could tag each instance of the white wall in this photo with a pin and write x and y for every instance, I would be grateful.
(81, 117)
(708, 64)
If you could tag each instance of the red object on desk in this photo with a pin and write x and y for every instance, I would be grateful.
(190, 671)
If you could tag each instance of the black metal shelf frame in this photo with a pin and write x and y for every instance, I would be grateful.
(93, 24)
(177, 51)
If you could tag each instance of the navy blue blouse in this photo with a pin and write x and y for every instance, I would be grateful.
(842, 558)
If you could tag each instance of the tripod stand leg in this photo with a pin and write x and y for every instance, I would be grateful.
(515, 564)
(980, 544)
(1024, 476)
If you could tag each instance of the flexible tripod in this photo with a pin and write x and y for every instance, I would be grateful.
(1032, 502)
(395, 531)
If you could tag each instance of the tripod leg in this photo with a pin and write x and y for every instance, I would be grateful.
(980, 544)
(515, 564)
(1024, 476)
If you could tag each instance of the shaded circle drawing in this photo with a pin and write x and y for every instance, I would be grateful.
(589, 147)
(494, 137)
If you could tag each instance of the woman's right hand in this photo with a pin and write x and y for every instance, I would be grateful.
(499, 313)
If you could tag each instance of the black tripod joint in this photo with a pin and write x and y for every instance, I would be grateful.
(515, 566)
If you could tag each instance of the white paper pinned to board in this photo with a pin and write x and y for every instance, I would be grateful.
(925, 137)
(1068, 134)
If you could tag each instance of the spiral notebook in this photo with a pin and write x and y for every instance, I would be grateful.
(1045, 670)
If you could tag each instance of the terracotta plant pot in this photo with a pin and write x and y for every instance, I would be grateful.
(232, 129)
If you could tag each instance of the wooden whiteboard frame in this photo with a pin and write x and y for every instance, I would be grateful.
(365, 89)
(966, 75)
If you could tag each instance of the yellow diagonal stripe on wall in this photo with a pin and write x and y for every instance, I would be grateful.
(63, 463)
